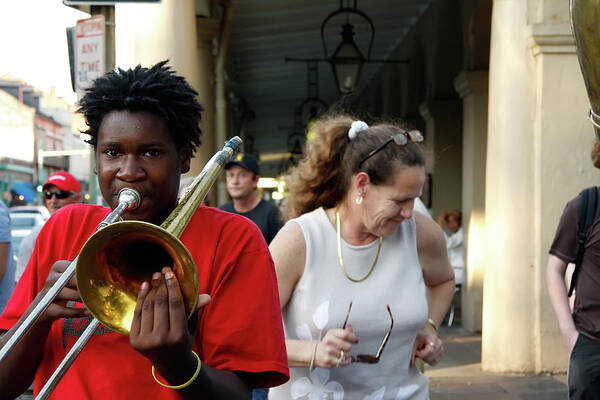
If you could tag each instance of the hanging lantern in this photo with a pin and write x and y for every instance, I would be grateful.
(347, 62)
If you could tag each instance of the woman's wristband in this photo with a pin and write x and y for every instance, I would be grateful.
(183, 385)
(432, 323)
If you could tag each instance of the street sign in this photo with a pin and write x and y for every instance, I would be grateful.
(89, 52)
(104, 2)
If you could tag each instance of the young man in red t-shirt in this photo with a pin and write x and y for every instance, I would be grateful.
(143, 125)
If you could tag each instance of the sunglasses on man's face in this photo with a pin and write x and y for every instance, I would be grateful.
(399, 139)
(372, 358)
(60, 194)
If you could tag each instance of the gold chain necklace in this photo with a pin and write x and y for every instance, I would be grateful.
(339, 247)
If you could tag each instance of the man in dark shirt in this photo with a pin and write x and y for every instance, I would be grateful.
(242, 179)
(580, 327)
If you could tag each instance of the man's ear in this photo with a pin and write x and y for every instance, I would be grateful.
(185, 156)
(95, 160)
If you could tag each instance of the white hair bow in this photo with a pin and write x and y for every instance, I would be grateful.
(355, 128)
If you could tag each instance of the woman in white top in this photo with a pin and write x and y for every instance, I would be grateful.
(363, 283)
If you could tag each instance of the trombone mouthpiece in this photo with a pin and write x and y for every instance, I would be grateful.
(130, 197)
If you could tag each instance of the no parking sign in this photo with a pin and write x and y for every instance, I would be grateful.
(89, 52)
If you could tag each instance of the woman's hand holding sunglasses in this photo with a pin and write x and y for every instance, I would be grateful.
(334, 349)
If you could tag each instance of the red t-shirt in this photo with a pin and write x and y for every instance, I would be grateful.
(240, 330)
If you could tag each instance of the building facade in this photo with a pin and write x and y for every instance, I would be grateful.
(495, 86)
(33, 125)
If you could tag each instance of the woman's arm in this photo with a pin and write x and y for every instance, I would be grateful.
(439, 281)
(437, 271)
(555, 272)
(288, 250)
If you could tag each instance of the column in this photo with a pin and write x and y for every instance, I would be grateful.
(443, 152)
(472, 87)
(563, 138)
(537, 159)
(508, 295)
(207, 29)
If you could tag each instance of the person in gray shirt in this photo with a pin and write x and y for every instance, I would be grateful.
(7, 268)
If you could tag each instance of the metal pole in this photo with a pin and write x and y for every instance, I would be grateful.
(109, 56)
(68, 360)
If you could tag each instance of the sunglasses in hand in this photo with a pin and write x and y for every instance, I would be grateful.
(372, 358)
(60, 194)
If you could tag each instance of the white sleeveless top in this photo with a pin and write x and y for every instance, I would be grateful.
(320, 302)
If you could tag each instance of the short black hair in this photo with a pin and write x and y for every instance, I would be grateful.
(156, 90)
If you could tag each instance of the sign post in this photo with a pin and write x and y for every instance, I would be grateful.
(89, 52)
(90, 63)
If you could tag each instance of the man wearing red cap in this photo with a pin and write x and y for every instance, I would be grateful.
(60, 189)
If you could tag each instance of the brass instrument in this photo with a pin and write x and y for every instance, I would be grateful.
(121, 255)
(585, 20)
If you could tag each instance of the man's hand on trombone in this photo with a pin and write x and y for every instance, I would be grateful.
(160, 329)
(58, 308)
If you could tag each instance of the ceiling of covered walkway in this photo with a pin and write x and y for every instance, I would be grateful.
(265, 89)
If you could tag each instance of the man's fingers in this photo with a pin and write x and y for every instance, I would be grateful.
(71, 312)
(161, 306)
(203, 300)
(147, 323)
(177, 314)
(136, 324)
(61, 266)
(72, 283)
(69, 294)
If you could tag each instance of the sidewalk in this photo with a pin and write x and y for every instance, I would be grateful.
(459, 376)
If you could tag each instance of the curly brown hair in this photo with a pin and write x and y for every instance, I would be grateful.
(322, 177)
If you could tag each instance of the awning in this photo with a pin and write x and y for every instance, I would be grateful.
(25, 189)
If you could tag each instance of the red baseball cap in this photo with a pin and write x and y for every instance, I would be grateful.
(64, 181)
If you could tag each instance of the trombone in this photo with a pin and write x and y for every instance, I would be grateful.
(110, 267)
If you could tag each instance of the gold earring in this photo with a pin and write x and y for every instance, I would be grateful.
(358, 199)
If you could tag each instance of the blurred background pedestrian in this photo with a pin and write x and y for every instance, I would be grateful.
(59, 190)
(242, 175)
(7, 268)
(451, 224)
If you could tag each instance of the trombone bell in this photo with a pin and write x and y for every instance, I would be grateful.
(116, 260)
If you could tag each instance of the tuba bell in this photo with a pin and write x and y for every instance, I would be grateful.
(585, 20)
